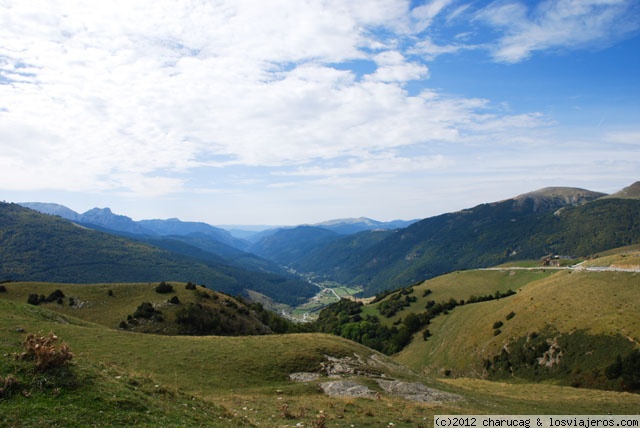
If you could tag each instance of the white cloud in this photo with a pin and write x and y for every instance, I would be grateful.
(430, 50)
(162, 97)
(558, 24)
(393, 67)
(425, 13)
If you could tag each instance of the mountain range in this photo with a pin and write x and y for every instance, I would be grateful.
(41, 247)
(379, 256)
(555, 220)
(518, 338)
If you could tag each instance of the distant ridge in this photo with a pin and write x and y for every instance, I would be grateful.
(630, 192)
(552, 220)
(104, 218)
(52, 209)
(347, 226)
(40, 247)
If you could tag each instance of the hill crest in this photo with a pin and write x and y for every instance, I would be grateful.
(629, 192)
(558, 197)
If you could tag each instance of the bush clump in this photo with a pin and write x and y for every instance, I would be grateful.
(8, 385)
(147, 311)
(3, 289)
(56, 296)
(42, 350)
(163, 287)
(33, 299)
(190, 286)
(199, 319)
(626, 369)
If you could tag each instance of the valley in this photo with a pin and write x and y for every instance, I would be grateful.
(329, 292)
(523, 306)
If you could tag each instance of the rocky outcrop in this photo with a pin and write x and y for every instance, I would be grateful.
(352, 370)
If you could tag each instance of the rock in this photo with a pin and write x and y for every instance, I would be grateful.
(416, 391)
(304, 376)
(346, 388)
(348, 366)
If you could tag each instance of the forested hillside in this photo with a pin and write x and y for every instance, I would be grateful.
(39, 247)
(559, 221)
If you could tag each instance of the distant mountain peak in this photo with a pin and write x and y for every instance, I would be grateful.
(97, 210)
(558, 197)
(564, 192)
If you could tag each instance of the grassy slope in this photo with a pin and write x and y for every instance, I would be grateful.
(462, 285)
(130, 378)
(599, 302)
(627, 257)
(94, 304)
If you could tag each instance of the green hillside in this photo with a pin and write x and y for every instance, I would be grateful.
(578, 325)
(392, 319)
(39, 247)
(492, 234)
(123, 378)
(165, 308)
(572, 222)
(590, 318)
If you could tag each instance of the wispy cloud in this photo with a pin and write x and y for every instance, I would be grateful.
(558, 25)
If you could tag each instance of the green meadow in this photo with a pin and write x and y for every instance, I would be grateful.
(125, 378)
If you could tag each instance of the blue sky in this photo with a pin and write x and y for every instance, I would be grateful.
(290, 111)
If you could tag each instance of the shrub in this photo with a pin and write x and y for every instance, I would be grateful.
(43, 352)
(205, 295)
(510, 315)
(110, 293)
(174, 300)
(190, 286)
(163, 287)
(3, 289)
(55, 296)
(497, 331)
(426, 334)
(147, 311)
(497, 324)
(320, 421)
(8, 386)
(123, 325)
